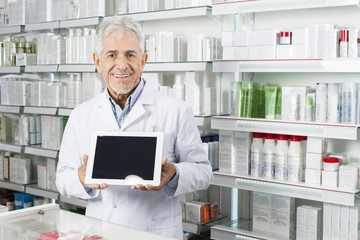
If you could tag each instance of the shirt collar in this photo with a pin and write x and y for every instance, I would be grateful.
(132, 98)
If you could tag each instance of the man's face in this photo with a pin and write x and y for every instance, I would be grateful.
(121, 63)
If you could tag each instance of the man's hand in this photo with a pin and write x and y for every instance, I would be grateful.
(81, 173)
(168, 171)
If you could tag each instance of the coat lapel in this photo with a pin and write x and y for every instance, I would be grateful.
(105, 113)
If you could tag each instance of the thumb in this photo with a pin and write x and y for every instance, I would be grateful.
(85, 159)
(164, 160)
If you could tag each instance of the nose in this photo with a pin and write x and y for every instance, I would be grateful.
(122, 63)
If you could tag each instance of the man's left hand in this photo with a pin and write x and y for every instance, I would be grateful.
(168, 171)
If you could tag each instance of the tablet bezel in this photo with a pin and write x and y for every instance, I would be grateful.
(127, 181)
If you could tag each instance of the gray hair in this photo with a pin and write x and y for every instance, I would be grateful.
(119, 24)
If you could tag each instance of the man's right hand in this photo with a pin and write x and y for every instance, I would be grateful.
(81, 173)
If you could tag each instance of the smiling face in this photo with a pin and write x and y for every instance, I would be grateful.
(121, 63)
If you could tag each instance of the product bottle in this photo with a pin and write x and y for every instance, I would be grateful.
(84, 45)
(285, 38)
(256, 155)
(247, 93)
(281, 157)
(269, 156)
(344, 44)
(77, 45)
(308, 109)
(179, 87)
(69, 46)
(77, 89)
(295, 157)
(91, 46)
(71, 91)
(13, 54)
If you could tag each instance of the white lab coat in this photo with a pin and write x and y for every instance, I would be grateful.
(154, 211)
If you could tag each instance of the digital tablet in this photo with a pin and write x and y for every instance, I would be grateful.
(125, 158)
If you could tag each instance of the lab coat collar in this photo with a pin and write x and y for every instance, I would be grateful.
(105, 110)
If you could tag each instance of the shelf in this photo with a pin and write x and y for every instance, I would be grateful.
(170, 13)
(12, 186)
(11, 69)
(202, 120)
(35, 190)
(288, 65)
(286, 188)
(38, 151)
(41, 68)
(40, 110)
(10, 109)
(7, 147)
(75, 201)
(237, 229)
(65, 111)
(81, 22)
(246, 6)
(199, 228)
(177, 66)
(11, 29)
(76, 68)
(42, 26)
(310, 129)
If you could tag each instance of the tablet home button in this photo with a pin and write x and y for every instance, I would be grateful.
(115, 206)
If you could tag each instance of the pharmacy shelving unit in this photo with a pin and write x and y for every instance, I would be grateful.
(252, 6)
(177, 66)
(242, 229)
(288, 65)
(11, 69)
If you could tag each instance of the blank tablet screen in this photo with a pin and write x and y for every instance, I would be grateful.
(117, 157)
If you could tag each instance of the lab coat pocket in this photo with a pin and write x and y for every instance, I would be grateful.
(168, 147)
(168, 227)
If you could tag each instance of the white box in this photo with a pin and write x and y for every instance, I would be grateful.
(1, 167)
(255, 38)
(298, 52)
(344, 222)
(41, 176)
(268, 52)
(335, 221)
(282, 224)
(241, 53)
(354, 222)
(314, 160)
(348, 177)
(241, 39)
(193, 212)
(210, 101)
(51, 174)
(261, 212)
(254, 52)
(226, 150)
(241, 161)
(194, 91)
(269, 37)
(301, 222)
(293, 103)
(313, 176)
(327, 231)
(299, 36)
(283, 51)
(316, 145)
(329, 179)
(228, 53)
(227, 39)
(3, 209)
(313, 223)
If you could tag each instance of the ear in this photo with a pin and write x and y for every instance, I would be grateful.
(97, 62)
(143, 61)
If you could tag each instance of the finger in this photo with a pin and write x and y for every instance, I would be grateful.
(85, 159)
(103, 186)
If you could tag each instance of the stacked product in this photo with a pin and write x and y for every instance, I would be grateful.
(313, 42)
(52, 128)
(316, 152)
(274, 215)
(309, 223)
(211, 145)
(46, 175)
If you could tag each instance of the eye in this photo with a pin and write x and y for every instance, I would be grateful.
(131, 55)
(111, 55)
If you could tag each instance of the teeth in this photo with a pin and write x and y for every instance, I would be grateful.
(121, 76)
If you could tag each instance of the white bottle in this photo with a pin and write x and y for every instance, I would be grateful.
(91, 46)
(71, 91)
(77, 89)
(76, 46)
(295, 159)
(84, 45)
(269, 156)
(344, 44)
(256, 155)
(281, 157)
(179, 87)
(69, 46)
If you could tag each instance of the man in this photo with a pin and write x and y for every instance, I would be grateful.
(130, 104)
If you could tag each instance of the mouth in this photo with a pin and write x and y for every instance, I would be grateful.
(121, 77)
